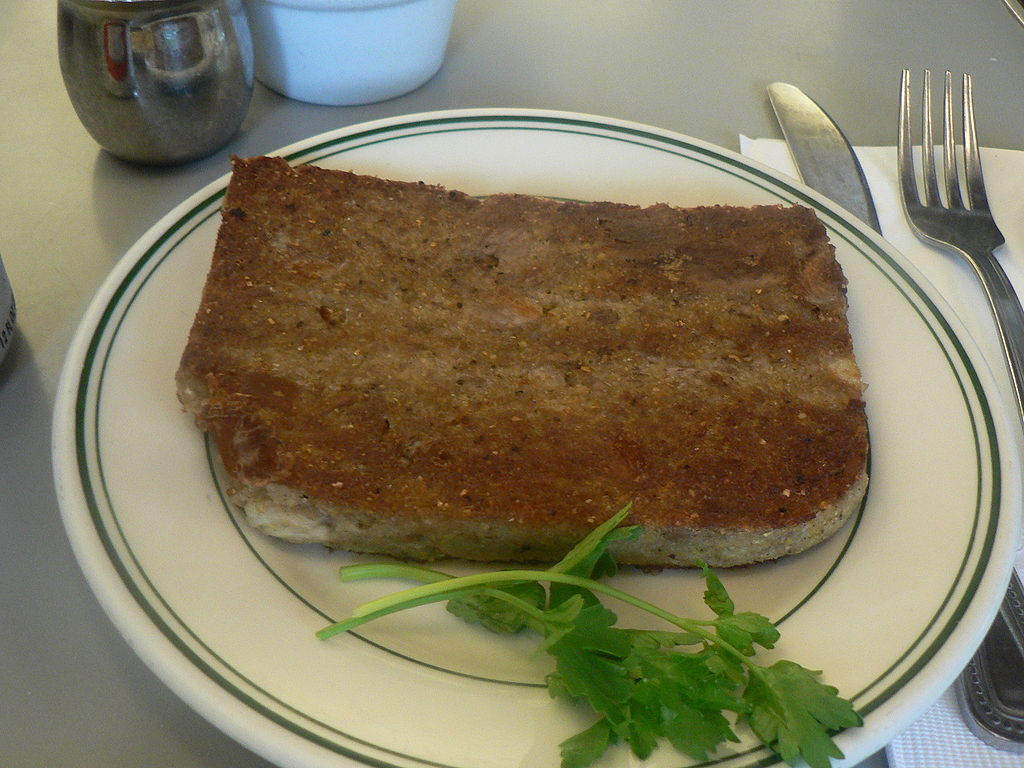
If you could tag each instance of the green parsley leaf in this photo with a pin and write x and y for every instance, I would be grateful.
(715, 596)
(587, 746)
(698, 732)
(560, 620)
(745, 630)
(587, 660)
(590, 557)
(792, 712)
(496, 613)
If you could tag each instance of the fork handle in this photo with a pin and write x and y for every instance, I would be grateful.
(1009, 317)
(990, 684)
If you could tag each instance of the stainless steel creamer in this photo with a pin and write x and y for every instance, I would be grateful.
(157, 81)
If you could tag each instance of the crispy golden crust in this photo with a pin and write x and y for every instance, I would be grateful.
(418, 355)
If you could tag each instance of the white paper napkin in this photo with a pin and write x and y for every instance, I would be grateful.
(940, 739)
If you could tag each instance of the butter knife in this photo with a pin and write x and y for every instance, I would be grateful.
(1016, 7)
(823, 156)
(990, 690)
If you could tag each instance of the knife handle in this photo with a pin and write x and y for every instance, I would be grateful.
(991, 688)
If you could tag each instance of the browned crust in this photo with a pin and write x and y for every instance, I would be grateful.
(413, 352)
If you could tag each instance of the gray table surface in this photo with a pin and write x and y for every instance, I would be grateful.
(73, 692)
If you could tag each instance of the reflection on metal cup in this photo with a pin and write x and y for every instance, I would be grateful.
(157, 81)
(115, 49)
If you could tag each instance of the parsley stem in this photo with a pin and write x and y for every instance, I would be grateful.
(444, 588)
(391, 571)
(356, 621)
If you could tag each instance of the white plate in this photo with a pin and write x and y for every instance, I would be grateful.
(890, 608)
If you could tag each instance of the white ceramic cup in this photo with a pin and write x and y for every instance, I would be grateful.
(345, 52)
(6, 312)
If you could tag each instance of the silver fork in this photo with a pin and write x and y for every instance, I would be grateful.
(994, 678)
(966, 229)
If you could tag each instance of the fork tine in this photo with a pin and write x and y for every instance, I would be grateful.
(944, 219)
(951, 174)
(905, 146)
(931, 185)
(975, 182)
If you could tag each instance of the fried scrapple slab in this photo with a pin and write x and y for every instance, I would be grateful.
(401, 369)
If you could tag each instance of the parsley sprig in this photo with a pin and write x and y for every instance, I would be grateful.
(641, 683)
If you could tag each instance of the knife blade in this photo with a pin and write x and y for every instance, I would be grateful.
(823, 156)
(1016, 7)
